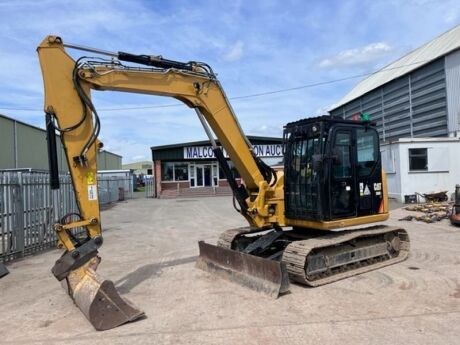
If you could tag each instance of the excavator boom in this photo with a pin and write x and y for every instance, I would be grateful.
(69, 110)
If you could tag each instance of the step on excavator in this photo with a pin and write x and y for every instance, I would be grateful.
(298, 219)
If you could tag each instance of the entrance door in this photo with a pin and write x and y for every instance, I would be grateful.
(199, 176)
(207, 175)
(203, 175)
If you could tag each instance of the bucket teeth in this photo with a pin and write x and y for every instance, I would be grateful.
(99, 300)
(259, 274)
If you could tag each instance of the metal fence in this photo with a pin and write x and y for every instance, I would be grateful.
(29, 208)
(149, 187)
(114, 188)
(115, 185)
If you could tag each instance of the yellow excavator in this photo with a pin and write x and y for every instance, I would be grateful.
(332, 180)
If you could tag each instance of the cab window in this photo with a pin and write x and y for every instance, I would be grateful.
(341, 167)
(367, 143)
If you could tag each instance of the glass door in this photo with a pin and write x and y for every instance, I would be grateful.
(199, 176)
(207, 175)
(204, 175)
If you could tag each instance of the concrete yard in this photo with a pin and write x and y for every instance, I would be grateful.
(149, 252)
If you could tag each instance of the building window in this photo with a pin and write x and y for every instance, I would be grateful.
(418, 159)
(192, 174)
(174, 171)
(215, 174)
(180, 172)
(167, 171)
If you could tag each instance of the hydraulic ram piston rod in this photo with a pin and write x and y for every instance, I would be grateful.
(149, 60)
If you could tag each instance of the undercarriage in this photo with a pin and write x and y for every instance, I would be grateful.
(306, 256)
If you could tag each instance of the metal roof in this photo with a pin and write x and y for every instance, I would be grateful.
(438, 47)
(23, 123)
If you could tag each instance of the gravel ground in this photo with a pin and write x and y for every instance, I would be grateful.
(149, 252)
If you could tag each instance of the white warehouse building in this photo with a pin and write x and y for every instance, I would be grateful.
(421, 165)
(415, 102)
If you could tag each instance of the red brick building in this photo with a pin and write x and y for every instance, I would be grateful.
(191, 169)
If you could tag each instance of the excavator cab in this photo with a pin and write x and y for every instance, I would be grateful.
(333, 169)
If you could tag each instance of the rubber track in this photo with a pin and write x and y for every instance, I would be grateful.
(227, 237)
(296, 253)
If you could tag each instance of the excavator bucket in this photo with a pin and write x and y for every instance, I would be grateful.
(98, 298)
(259, 274)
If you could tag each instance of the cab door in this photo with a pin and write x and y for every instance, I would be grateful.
(368, 171)
(342, 174)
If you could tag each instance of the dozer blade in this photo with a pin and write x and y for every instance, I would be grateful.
(259, 274)
(98, 298)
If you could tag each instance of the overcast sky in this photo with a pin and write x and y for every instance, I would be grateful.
(254, 46)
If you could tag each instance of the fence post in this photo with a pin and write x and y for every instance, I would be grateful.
(19, 210)
(2, 218)
(109, 191)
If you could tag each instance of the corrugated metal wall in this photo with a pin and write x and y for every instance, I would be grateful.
(453, 90)
(414, 105)
(108, 161)
(7, 139)
(24, 146)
